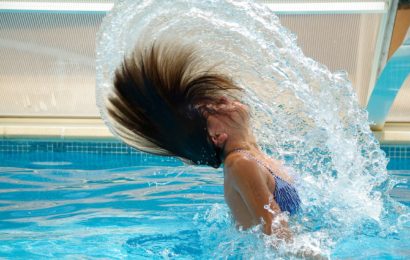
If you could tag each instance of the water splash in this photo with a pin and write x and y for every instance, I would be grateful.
(302, 112)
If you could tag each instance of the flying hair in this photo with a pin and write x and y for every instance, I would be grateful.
(158, 99)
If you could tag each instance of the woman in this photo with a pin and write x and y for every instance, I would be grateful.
(165, 102)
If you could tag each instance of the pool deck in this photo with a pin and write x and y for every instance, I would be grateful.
(56, 128)
(94, 128)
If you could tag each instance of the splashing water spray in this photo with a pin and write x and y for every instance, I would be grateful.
(302, 113)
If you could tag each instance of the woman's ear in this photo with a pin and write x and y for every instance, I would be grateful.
(216, 131)
(219, 139)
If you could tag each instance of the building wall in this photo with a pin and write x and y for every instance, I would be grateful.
(47, 60)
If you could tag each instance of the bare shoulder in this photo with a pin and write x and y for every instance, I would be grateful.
(238, 159)
(240, 166)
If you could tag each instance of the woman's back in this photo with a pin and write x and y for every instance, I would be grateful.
(233, 179)
(284, 192)
(251, 184)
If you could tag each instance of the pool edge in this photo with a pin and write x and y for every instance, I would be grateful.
(94, 128)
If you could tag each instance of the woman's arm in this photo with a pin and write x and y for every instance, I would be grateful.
(251, 184)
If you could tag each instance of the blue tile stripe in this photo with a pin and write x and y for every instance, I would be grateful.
(396, 151)
(18, 149)
(77, 154)
(109, 147)
(392, 151)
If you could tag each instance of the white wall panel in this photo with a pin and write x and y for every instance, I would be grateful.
(47, 63)
(341, 42)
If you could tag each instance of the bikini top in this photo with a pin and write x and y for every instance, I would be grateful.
(285, 194)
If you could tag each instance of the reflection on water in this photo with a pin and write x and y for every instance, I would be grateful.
(146, 212)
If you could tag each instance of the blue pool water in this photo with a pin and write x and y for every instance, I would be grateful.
(121, 205)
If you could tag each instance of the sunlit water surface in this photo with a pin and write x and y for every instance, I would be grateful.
(66, 205)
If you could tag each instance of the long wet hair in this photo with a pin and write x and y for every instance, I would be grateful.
(157, 103)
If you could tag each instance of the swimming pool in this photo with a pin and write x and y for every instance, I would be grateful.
(84, 199)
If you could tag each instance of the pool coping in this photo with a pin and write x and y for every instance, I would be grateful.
(94, 129)
(54, 128)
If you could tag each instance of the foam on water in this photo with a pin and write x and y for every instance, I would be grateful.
(302, 113)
